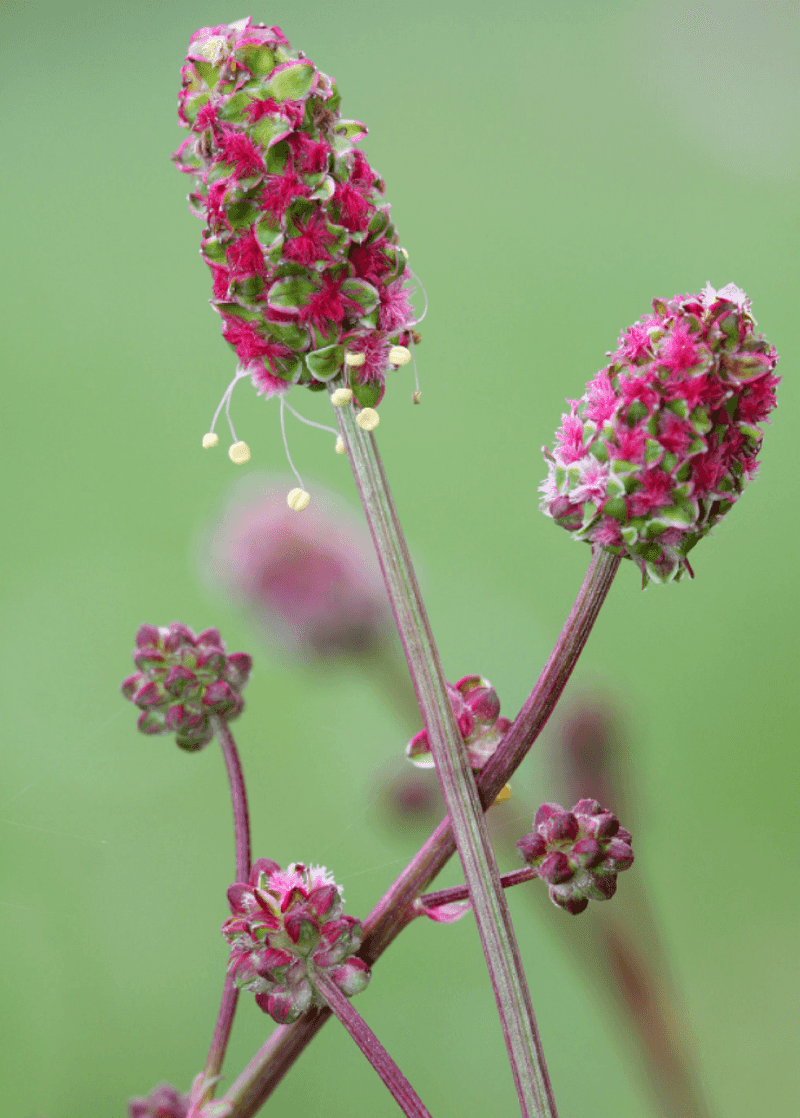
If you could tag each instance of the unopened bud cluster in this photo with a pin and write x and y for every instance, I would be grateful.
(183, 680)
(307, 269)
(164, 1101)
(287, 926)
(578, 853)
(477, 711)
(666, 436)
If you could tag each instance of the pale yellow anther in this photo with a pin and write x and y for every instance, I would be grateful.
(399, 355)
(297, 499)
(341, 396)
(415, 397)
(239, 453)
(404, 252)
(211, 439)
(354, 360)
(368, 419)
(214, 49)
(340, 448)
(504, 794)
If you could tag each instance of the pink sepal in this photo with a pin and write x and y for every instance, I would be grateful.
(446, 913)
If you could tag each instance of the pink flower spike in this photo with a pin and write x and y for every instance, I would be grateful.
(665, 438)
(297, 227)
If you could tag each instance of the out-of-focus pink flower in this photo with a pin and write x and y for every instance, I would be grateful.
(312, 579)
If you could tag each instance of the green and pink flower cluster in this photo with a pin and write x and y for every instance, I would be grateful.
(665, 438)
(305, 259)
(287, 926)
(182, 680)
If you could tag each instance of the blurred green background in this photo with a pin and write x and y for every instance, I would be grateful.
(552, 168)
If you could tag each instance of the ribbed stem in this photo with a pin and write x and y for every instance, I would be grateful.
(403, 1093)
(241, 826)
(461, 892)
(241, 817)
(395, 909)
(455, 775)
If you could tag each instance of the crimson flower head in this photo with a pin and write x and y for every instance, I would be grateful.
(666, 436)
(477, 711)
(287, 926)
(305, 259)
(183, 680)
(578, 853)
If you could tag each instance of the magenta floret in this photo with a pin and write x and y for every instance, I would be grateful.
(477, 711)
(286, 927)
(182, 680)
(666, 436)
(578, 853)
(305, 259)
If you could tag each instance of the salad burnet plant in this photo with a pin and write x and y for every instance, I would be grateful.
(313, 290)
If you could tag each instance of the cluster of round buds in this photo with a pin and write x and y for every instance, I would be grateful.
(477, 711)
(666, 436)
(578, 853)
(308, 275)
(287, 926)
(183, 680)
(164, 1101)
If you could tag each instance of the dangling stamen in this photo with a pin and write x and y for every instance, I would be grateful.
(310, 422)
(415, 395)
(297, 499)
(417, 321)
(239, 452)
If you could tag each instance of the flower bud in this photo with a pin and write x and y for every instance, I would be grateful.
(163, 1101)
(287, 926)
(476, 708)
(173, 665)
(665, 438)
(578, 853)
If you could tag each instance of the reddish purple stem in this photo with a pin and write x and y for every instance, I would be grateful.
(241, 825)
(461, 892)
(403, 1093)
